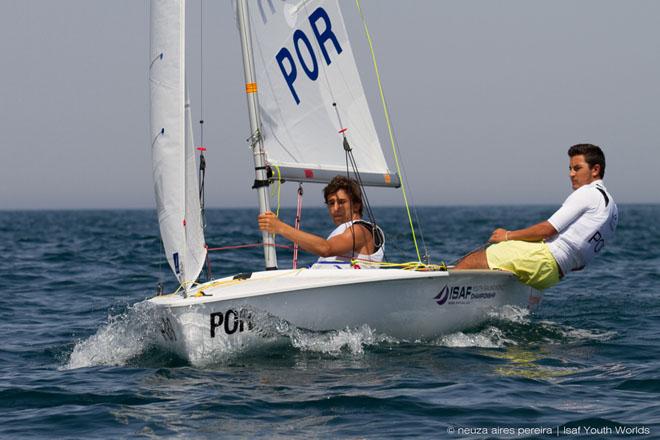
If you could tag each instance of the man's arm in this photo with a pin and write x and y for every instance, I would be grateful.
(339, 245)
(478, 259)
(538, 232)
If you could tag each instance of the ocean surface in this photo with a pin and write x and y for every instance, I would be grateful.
(77, 359)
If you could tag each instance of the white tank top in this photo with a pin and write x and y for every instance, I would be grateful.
(343, 261)
(585, 222)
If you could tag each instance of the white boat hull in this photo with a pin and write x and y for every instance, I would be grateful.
(403, 304)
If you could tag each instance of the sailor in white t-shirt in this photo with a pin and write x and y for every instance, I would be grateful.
(543, 253)
(353, 238)
(585, 224)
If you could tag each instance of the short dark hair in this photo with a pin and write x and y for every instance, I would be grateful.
(593, 155)
(349, 185)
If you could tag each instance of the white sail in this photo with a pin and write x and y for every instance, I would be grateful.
(305, 66)
(173, 154)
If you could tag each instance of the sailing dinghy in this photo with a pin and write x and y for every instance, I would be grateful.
(306, 104)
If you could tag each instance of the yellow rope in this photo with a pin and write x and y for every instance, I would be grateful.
(389, 127)
(411, 265)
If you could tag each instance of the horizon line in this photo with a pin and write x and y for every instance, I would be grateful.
(489, 205)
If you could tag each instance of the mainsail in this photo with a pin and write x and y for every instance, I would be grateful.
(310, 94)
(173, 152)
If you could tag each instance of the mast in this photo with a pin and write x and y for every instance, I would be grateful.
(261, 178)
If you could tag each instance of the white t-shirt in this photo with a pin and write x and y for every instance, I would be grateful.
(344, 260)
(585, 222)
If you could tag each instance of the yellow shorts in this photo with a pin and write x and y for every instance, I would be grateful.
(532, 263)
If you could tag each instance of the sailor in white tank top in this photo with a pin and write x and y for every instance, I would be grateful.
(352, 239)
(344, 261)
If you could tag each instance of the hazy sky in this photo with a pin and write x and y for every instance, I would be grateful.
(486, 97)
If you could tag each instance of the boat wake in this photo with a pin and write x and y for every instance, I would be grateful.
(491, 337)
(123, 338)
(268, 333)
(337, 342)
(131, 338)
(492, 334)
(513, 326)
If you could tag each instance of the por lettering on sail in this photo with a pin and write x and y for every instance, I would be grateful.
(306, 58)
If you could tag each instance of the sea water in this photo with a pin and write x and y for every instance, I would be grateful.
(78, 357)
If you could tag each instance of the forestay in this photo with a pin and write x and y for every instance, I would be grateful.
(305, 65)
(173, 152)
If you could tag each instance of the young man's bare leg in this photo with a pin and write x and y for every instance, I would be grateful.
(474, 260)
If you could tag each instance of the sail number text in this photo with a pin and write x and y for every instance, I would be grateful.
(231, 321)
(321, 26)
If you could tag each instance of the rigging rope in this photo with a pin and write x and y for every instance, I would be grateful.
(297, 224)
(350, 195)
(411, 265)
(201, 148)
(201, 72)
(350, 159)
(389, 126)
(202, 178)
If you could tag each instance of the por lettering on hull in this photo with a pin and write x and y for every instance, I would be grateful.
(231, 321)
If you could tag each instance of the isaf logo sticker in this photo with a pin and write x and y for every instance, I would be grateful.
(442, 297)
(465, 294)
(457, 295)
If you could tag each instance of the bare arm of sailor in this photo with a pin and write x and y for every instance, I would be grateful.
(339, 245)
(537, 232)
(478, 259)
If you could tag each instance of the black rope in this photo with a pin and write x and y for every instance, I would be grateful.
(202, 158)
(350, 159)
(350, 198)
(365, 198)
(202, 194)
